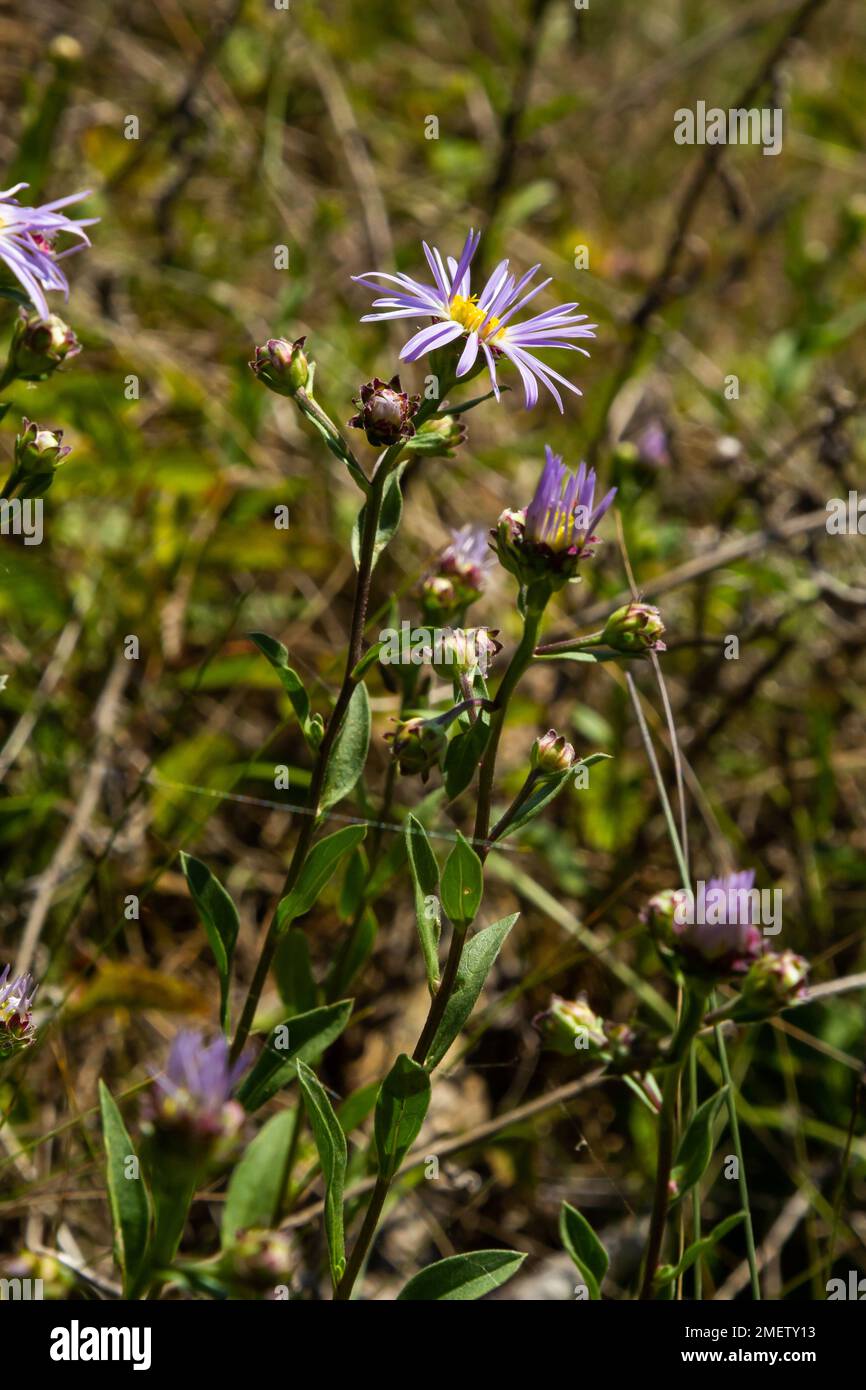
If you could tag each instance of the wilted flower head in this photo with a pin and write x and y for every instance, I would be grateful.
(635, 628)
(193, 1097)
(385, 412)
(482, 319)
(17, 1030)
(552, 753)
(712, 937)
(556, 530)
(774, 981)
(282, 366)
(457, 577)
(27, 237)
(40, 345)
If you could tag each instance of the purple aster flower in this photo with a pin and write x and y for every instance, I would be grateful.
(16, 1001)
(467, 555)
(556, 530)
(717, 932)
(27, 237)
(484, 319)
(195, 1090)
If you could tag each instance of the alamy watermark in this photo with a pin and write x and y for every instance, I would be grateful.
(723, 906)
(739, 125)
(19, 518)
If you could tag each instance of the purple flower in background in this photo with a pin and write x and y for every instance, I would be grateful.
(467, 556)
(556, 530)
(717, 931)
(16, 1001)
(27, 237)
(195, 1090)
(484, 319)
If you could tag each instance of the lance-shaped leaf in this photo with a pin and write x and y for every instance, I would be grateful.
(127, 1195)
(463, 1277)
(462, 883)
(294, 973)
(256, 1185)
(425, 882)
(400, 1110)
(219, 917)
(390, 515)
(696, 1146)
(465, 751)
(331, 1146)
(350, 750)
(320, 865)
(301, 1038)
(584, 1247)
(278, 656)
(478, 957)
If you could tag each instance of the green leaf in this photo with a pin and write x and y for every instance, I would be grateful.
(350, 750)
(127, 1196)
(547, 789)
(465, 752)
(463, 1276)
(390, 515)
(278, 656)
(331, 1145)
(301, 1038)
(256, 1185)
(400, 1109)
(462, 883)
(478, 957)
(293, 972)
(666, 1273)
(219, 917)
(321, 864)
(353, 956)
(584, 1247)
(425, 881)
(696, 1146)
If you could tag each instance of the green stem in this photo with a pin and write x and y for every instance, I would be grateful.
(519, 662)
(741, 1167)
(690, 1021)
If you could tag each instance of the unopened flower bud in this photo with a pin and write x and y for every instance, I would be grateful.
(438, 598)
(552, 754)
(385, 412)
(570, 1026)
(282, 366)
(441, 435)
(39, 346)
(258, 1260)
(464, 651)
(774, 981)
(17, 1030)
(418, 745)
(636, 627)
(39, 451)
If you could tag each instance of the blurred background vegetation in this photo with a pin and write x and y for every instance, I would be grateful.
(307, 127)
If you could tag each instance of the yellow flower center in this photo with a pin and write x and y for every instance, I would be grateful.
(467, 313)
